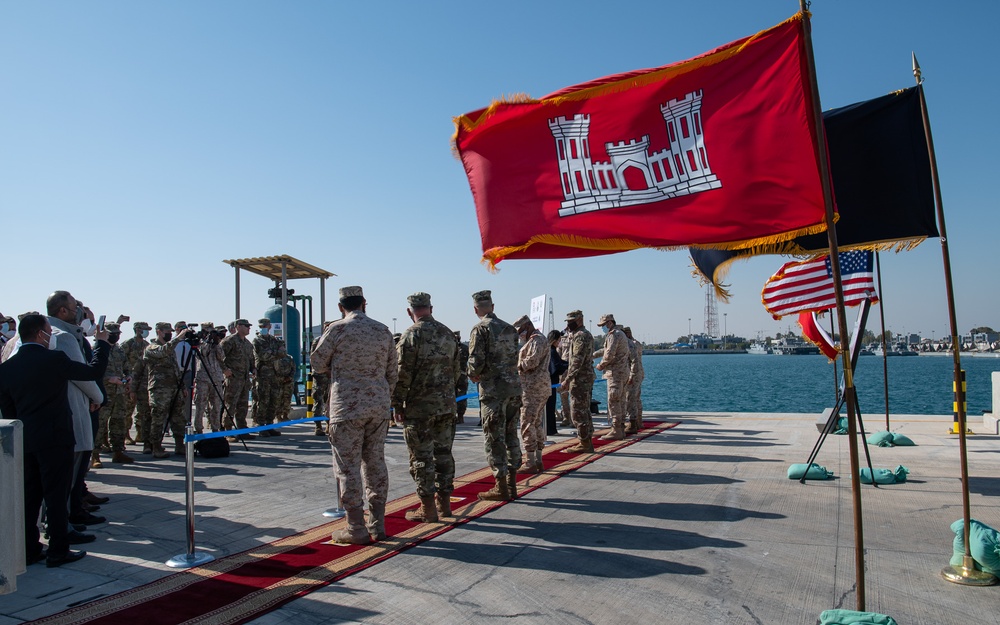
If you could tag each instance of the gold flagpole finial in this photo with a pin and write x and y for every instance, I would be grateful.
(916, 69)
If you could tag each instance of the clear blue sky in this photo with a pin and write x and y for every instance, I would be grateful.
(143, 143)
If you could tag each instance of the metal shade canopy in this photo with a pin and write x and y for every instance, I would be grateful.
(281, 269)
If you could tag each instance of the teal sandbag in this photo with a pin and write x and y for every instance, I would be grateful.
(902, 441)
(812, 472)
(884, 476)
(984, 545)
(882, 439)
(841, 426)
(850, 617)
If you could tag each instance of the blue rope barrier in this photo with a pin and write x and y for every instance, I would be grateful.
(260, 428)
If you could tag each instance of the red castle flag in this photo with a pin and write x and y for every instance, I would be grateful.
(717, 151)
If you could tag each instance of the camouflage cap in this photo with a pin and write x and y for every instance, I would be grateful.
(163, 325)
(574, 314)
(141, 325)
(113, 328)
(241, 322)
(220, 328)
(263, 321)
(521, 323)
(606, 319)
(483, 297)
(180, 325)
(351, 291)
(419, 300)
(208, 325)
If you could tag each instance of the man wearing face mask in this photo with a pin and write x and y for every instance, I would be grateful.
(137, 400)
(65, 317)
(580, 380)
(34, 389)
(533, 369)
(237, 362)
(614, 364)
(267, 350)
(167, 397)
(111, 428)
(8, 329)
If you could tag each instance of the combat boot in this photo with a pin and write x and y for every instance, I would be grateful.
(355, 533)
(147, 448)
(375, 521)
(160, 452)
(616, 434)
(95, 460)
(512, 484)
(121, 458)
(631, 429)
(427, 513)
(179, 448)
(530, 466)
(500, 492)
(538, 460)
(586, 446)
(443, 501)
(319, 429)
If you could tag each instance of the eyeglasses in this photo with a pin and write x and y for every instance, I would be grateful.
(246, 325)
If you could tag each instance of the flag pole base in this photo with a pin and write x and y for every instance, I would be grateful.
(187, 561)
(335, 513)
(967, 575)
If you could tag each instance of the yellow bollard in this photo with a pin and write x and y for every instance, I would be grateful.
(954, 405)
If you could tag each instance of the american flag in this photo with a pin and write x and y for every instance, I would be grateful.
(808, 285)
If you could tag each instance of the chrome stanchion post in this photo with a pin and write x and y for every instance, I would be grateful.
(336, 512)
(190, 558)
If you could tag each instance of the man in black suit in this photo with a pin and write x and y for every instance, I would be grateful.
(33, 390)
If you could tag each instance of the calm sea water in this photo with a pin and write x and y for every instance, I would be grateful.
(769, 383)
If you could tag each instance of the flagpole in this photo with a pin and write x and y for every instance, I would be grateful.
(836, 378)
(965, 574)
(850, 399)
(885, 352)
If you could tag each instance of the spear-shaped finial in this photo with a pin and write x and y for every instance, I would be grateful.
(916, 68)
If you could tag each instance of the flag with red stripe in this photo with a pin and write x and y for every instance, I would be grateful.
(808, 285)
(816, 335)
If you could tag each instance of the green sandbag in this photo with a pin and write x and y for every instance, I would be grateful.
(850, 617)
(902, 441)
(812, 472)
(882, 439)
(841, 426)
(984, 545)
(884, 476)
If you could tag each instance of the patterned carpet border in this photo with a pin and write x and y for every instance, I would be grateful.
(243, 586)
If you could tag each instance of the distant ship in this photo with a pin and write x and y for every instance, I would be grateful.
(896, 350)
(758, 348)
(793, 346)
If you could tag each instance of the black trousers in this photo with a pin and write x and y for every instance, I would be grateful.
(550, 414)
(47, 476)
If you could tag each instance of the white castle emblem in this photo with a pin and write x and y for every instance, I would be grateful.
(634, 175)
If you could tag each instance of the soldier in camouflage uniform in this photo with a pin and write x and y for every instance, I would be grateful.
(267, 350)
(493, 365)
(614, 364)
(563, 390)
(633, 391)
(580, 380)
(167, 397)
(423, 404)
(237, 365)
(137, 400)
(111, 420)
(320, 388)
(462, 386)
(533, 369)
(285, 368)
(208, 380)
(358, 355)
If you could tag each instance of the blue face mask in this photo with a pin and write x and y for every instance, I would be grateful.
(144, 333)
(263, 331)
(604, 329)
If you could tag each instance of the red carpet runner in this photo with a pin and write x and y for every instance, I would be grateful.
(241, 587)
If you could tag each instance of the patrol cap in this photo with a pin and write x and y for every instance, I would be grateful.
(163, 325)
(264, 321)
(242, 322)
(605, 319)
(521, 323)
(180, 325)
(113, 327)
(574, 314)
(419, 300)
(351, 291)
(141, 325)
(483, 297)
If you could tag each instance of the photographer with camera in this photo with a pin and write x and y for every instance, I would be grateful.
(208, 379)
(167, 397)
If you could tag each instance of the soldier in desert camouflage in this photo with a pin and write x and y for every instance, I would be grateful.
(533, 369)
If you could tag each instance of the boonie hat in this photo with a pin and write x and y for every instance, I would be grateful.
(521, 323)
(606, 318)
